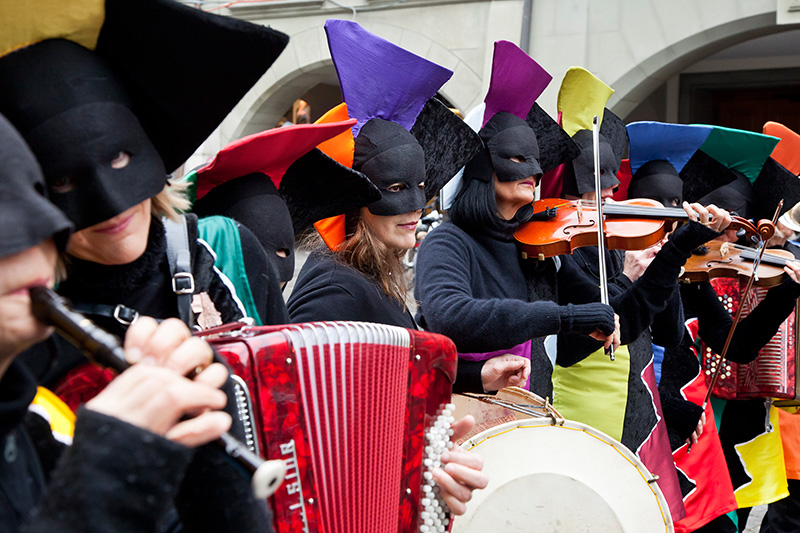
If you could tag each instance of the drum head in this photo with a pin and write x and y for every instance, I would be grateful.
(569, 478)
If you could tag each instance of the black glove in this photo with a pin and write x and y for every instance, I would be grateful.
(681, 415)
(587, 318)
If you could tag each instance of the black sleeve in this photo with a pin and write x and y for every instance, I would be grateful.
(669, 325)
(114, 477)
(468, 376)
(639, 303)
(263, 280)
(485, 324)
(650, 294)
(216, 496)
(681, 416)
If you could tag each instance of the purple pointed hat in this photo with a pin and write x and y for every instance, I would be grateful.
(520, 139)
(517, 81)
(404, 139)
(379, 79)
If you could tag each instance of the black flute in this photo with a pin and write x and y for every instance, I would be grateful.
(105, 349)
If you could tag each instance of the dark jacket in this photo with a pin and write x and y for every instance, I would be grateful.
(145, 285)
(115, 477)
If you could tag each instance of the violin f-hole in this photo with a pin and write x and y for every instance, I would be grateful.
(710, 264)
(567, 229)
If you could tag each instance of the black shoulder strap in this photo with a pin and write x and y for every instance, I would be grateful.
(180, 266)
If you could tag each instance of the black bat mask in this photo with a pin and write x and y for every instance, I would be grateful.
(76, 149)
(579, 175)
(512, 149)
(394, 162)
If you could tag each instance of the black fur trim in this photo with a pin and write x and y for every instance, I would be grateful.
(774, 183)
(448, 142)
(615, 132)
(555, 145)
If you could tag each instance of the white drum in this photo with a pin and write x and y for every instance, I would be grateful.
(548, 475)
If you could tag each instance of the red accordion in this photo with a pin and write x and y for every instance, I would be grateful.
(346, 405)
(773, 373)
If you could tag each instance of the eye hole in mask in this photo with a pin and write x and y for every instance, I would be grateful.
(397, 187)
(518, 159)
(121, 160)
(63, 185)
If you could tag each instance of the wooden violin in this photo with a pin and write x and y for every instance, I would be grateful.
(560, 226)
(727, 260)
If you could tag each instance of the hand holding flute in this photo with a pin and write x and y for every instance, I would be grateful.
(154, 394)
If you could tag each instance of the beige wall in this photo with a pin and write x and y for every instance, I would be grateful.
(635, 46)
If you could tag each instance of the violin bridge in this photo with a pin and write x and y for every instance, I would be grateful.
(724, 249)
(579, 211)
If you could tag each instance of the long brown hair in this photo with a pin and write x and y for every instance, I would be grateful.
(367, 254)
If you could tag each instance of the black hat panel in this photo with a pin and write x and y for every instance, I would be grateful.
(316, 187)
(448, 142)
(615, 132)
(736, 197)
(52, 77)
(76, 149)
(659, 181)
(395, 163)
(555, 145)
(703, 174)
(185, 69)
(774, 183)
(26, 216)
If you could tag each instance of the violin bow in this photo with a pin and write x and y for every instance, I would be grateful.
(762, 246)
(601, 237)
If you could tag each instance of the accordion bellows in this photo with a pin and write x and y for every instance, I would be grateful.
(346, 405)
(773, 374)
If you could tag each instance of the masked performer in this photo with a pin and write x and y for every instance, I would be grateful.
(471, 284)
(277, 184)
(360, 277)
(784, 515)
(645, 296)
(708, 493)
(106, 480)
(108, 120)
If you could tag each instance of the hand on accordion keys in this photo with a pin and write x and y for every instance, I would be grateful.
(462, 471)
(155, 395)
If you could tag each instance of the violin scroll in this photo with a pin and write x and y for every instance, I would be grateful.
(763, 230)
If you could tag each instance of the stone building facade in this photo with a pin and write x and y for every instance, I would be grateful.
(733, 62)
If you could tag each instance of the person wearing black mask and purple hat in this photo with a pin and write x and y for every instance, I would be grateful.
(358, 276)
(471, 283)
